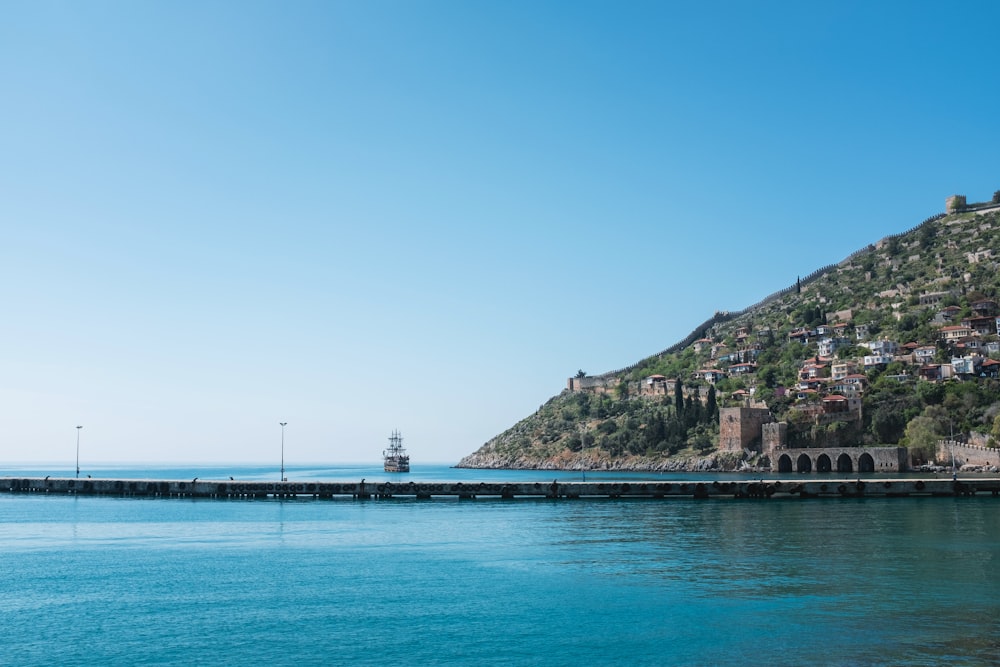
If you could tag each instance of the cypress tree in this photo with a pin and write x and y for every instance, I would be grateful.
(712, 407)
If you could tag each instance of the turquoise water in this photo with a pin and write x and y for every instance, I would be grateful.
(93, 580)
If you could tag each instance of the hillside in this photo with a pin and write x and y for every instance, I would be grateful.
(895, 345)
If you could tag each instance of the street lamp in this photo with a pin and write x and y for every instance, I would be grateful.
(283, 478)
(78, 450)
(954, 475)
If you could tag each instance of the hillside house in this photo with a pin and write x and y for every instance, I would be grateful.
(858, 380)
(984, 308)
(936, 372)
(963, 347)
(655, 385)
(882, 347)
(924, 355)
(984, 326)
(990, 369)
(954, 333)
(807, 395)
(730, 357)
(966, 366)
(835, 403)
(844, 388)
(947, 315)
(841, 369)
(828, 346)
(814, 371)
(742, 369)
(877, 360)
(862, 331)
(709, 375)
(801, 335)
(933, 298)
(720, 351)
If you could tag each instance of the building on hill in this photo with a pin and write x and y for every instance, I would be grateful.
(655, 385)
(984, 326)
(984, 308)
(954, 333)
(934, 298)
(829, 345)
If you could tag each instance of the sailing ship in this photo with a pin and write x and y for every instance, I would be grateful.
(396, 458)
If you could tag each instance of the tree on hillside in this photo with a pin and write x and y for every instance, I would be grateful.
(924, 431)
(711, 406)
(678, 397)
(621, 391)
(927, 233)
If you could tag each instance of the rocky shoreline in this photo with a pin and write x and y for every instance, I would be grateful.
(590, 462)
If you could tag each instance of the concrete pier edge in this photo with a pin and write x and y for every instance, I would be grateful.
(878, 487)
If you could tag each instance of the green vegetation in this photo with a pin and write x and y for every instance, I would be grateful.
(895, 291)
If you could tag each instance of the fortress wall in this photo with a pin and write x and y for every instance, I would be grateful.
(966, 454)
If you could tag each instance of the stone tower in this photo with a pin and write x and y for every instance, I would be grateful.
(740, 428)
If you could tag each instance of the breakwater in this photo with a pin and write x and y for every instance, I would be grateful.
(363, 490)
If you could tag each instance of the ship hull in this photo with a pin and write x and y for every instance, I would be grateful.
(397, 466)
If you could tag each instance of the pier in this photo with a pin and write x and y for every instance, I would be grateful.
(883, 487)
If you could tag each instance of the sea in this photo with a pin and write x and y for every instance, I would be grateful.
(139, 581)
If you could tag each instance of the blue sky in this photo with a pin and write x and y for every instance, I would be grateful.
(426, 215)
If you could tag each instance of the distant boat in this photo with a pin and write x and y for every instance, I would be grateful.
(396, 458)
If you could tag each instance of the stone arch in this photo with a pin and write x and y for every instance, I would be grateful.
(785, 463)
(866, 463)
(804, 463)
(844, 463)
(823, 463)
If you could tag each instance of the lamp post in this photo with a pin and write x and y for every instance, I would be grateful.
(283, 479)
(954, 475)
(78, 450)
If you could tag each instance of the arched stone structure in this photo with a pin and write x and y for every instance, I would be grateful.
(849, 460)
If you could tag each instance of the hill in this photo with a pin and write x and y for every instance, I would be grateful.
(895, 345)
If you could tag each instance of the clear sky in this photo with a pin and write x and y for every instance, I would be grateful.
(425, 215)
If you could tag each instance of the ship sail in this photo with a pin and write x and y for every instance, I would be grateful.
(395, 456)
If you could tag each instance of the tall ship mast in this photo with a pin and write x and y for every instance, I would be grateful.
(396, 458)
